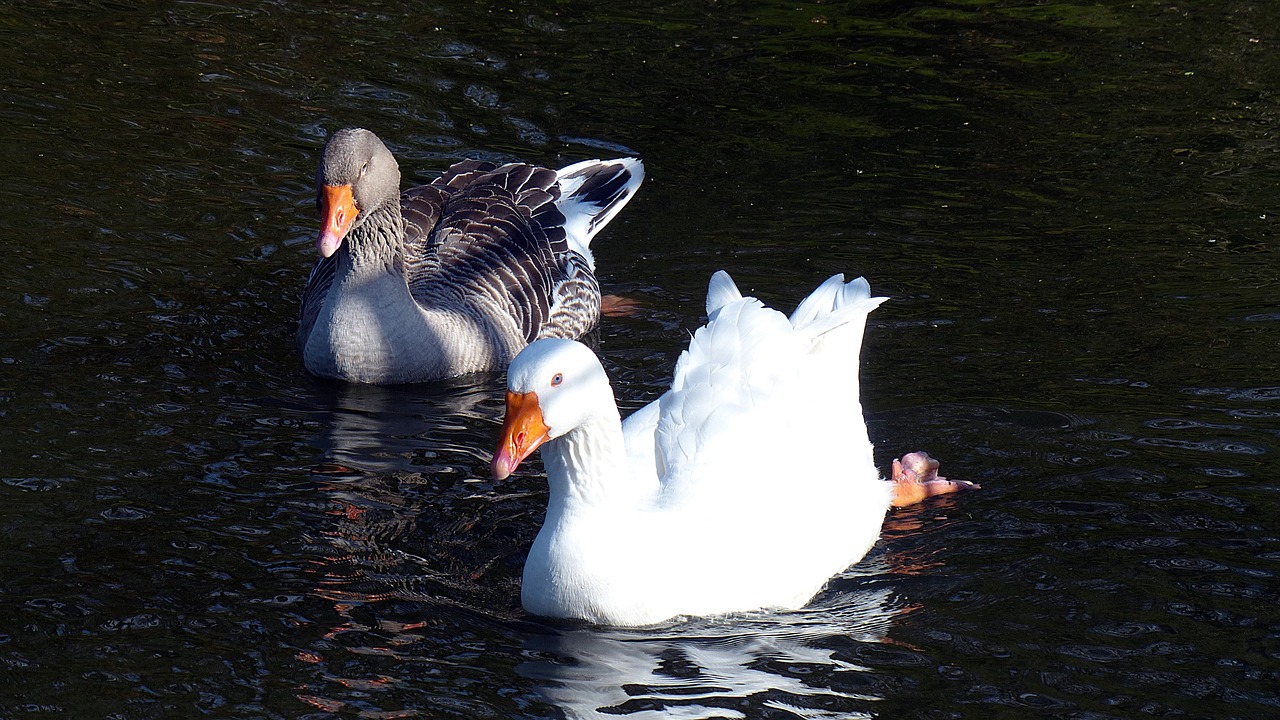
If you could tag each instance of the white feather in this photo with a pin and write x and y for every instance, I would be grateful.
(584, 218)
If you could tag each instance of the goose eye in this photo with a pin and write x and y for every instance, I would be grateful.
(557, 379)
(363, 168)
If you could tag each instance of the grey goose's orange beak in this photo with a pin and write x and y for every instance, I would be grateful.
(338, 212)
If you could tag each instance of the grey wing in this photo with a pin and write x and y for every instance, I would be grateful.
(461, 174)
(498, 239)
(488, 253)
(575, 308)
(421, 208)
(575, 293)
(313, 296)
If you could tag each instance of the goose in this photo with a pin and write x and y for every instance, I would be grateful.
(746, 486)
(452, 277)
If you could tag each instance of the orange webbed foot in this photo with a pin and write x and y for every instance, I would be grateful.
(618, 306)
(915, 477)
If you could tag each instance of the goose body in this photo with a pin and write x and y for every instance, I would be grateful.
(452, 277)
(747, 485)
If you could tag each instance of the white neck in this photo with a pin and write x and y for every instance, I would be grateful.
(588, 465)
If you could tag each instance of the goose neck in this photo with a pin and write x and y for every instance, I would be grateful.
(374, 246)
(588, 465)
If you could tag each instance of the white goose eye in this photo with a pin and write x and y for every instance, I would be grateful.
(557, 379)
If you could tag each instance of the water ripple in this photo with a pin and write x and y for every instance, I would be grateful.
(1185, 564)
(125, 512)
(1260, 394)
(37, 484)
(1095, 653)
(1252, 414)
(1173, 424)
(1128, 629)
(1212, 446)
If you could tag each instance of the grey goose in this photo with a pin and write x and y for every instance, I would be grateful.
(452, 277)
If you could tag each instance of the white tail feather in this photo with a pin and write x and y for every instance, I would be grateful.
(821, 301)
(720, 292)
(835, 303)
(584, 216)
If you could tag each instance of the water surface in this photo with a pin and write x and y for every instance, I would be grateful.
(1071, 205)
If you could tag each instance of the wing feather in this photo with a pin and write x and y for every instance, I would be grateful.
(496, 241)
(750, 364)
(313, 297)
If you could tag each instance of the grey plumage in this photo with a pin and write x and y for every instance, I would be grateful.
(456, 276)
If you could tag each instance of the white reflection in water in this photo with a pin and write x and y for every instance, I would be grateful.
(710, 668)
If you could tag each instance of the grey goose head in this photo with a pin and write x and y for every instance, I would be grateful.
(357, 175)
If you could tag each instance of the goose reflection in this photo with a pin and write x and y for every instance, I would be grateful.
(445, 427)
(798, 663)
(429, 427)
(401, 479)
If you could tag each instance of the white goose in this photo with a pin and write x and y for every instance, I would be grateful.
(745, 486)
(452, 277)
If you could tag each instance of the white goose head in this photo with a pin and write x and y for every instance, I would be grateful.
(553, 387)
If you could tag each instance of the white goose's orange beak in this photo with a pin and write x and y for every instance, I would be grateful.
(337, 213)
(522, 432)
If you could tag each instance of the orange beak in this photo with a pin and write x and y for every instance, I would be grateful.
(522, 432)
(337, 212)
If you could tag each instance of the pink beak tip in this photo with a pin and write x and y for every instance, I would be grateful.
(502, 466)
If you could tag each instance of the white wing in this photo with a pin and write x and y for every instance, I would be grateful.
(758, 395)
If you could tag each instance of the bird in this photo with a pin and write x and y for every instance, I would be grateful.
(452, 277)
(745, 486)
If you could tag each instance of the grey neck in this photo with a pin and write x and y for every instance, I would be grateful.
(376, 245)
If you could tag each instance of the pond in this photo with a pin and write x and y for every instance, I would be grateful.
(1070, 204)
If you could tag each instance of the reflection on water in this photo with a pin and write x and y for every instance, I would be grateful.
(723, 668)
(400, 612)
(430, 427)
(418, 572)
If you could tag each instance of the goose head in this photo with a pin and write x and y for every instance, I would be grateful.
(554, 386)
(357, 174)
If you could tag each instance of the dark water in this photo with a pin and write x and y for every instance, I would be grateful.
(1072, 205)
